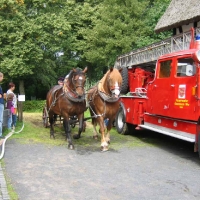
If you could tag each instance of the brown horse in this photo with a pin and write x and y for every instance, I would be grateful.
(103, 100)
(67, 101)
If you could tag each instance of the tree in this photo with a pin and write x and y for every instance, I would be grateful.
(118, 27)
(114, 30)
(41, 40)
(152, 14)
(32, 32)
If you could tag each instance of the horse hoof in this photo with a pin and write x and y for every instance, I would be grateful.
(95, 137)
(103, 149)
(71, 146)
(76, 136)
(104, 146)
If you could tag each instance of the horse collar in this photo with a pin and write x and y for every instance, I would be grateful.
(106, 97)
(71, 95)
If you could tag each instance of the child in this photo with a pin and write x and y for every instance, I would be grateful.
(11, 108)
(11, 89)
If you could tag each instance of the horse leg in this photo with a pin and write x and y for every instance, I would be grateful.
(54, 119)
(51, 122)
(68, 133)
(108, 128)
(80, 119)
(84, 126)
(95, 135)
(104, 143)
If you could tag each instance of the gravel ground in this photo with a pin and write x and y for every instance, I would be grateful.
(167, 171)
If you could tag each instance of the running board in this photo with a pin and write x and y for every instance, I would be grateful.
(168, 132)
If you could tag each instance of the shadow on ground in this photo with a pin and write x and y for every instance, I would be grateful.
(175, 146)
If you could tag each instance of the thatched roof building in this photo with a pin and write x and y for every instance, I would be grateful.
(179, 12)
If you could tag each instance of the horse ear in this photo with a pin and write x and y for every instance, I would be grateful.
(85, 70)
(120, 70)
(74, 70)
(111, 69)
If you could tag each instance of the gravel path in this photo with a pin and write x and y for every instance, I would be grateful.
(39, 172)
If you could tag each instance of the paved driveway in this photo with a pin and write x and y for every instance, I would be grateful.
(169, 170)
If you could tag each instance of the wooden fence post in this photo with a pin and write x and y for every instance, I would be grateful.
(20, 111)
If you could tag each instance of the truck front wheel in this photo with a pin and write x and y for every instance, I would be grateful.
(121, 125)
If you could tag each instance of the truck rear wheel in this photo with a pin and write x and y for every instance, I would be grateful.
(124, 74)
(121, 125)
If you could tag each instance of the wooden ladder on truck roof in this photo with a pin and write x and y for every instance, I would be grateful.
(149, 54)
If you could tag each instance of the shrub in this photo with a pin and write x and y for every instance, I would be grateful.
(34, 105)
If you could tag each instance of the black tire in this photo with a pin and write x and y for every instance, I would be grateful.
(124, 74)
(45, 117)
(121, 125)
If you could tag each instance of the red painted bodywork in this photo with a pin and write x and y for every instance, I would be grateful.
(161, 105)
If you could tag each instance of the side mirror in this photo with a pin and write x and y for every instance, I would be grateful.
(190, 70)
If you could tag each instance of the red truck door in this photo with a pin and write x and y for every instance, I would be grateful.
(184, 105)
(160, 90)
(171, 94)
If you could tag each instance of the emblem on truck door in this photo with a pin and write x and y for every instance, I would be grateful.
(181, 91)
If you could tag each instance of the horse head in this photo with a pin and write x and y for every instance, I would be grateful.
(75, 82)
(114, 82)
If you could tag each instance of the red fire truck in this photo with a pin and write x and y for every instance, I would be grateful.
(161, 88)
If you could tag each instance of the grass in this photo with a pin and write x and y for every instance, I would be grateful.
(34, 132)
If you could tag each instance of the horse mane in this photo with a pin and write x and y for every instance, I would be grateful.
(102, 81)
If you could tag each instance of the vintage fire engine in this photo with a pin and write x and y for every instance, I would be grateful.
(161, 88)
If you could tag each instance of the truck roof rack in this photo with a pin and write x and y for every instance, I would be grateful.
(148, 55)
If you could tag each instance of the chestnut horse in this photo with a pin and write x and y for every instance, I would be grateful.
(103, 101)
(68, 100)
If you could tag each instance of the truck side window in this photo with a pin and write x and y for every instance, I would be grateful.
(165, 69)
(185, 67)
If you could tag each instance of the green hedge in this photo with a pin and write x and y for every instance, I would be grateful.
(34, 105)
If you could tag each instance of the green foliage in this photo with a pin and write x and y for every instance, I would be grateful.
(33, 33)
(113, 30)
(154, 11)
(117, 27)
(34, 105)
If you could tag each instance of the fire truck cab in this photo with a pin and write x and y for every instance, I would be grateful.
(164, 97)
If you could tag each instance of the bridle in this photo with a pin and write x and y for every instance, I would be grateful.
(74, 84)
(113, 88)
(73, 81)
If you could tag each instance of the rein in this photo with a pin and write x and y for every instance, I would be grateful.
(95, 115)
(54, 101)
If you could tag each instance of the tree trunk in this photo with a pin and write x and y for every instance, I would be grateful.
(20, 103)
